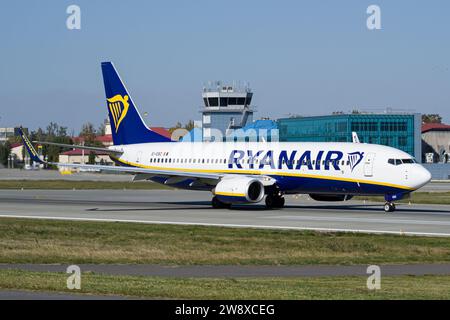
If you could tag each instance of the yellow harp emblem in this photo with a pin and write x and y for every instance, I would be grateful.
(118, 106)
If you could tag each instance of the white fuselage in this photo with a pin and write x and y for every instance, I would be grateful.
(303, 167)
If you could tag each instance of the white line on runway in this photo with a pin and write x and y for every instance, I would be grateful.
(400, 232)
(343, 219)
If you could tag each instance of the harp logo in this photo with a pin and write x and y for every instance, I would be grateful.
(355, 158)
(118, 107)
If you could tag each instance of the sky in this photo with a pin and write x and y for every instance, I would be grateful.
(300, 57)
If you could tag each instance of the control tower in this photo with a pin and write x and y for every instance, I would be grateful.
(226, 107)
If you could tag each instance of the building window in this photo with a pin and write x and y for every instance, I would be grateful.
(231, 101)
(402, 141)
(240, 101)
(213, 102)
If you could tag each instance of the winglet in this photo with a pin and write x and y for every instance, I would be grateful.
(31, 151)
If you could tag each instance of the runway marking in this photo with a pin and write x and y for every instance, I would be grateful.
(231, 225)
(343, 219)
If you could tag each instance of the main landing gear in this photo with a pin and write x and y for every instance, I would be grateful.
(389, 207)
(274, 201)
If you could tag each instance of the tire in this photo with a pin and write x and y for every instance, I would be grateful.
(279, 203)
(389, 207)
(270, 201)
(392, 207)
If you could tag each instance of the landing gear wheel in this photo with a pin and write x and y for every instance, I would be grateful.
(389, 207)
(217, 204)
(279, 203)
(273, 201)
(270, 201)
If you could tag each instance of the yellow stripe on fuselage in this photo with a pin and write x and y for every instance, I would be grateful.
(259, 172)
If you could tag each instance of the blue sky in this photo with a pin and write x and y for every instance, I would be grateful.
(300, 57)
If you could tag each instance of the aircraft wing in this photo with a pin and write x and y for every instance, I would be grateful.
(143, 171)
(75, 146)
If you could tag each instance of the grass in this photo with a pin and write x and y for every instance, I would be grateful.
(392, 287)
(416, 197)
(52, 241)
(70, 184)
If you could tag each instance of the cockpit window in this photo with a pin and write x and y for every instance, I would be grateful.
(397, 162)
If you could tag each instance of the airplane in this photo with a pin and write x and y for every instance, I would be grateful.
(248, 172)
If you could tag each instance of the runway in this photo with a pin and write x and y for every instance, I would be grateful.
(193, 208)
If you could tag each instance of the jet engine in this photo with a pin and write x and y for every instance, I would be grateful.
(239, 190)
(330, 197)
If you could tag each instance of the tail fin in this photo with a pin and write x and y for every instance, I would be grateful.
(126, 123)
(30, 149)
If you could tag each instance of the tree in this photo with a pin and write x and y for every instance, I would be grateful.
(189, 126)
(5, 151)
(91, 159)
(53, 133)
(52, 130)
(177, 126)
(431, 118)
(101, 129)
(88, 132)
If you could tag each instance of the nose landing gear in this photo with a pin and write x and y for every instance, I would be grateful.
(389, 207)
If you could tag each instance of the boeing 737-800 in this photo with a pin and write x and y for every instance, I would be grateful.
(248, 172)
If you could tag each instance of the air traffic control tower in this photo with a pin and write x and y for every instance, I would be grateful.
(226, 108)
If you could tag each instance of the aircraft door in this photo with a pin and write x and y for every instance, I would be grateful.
(368, 164)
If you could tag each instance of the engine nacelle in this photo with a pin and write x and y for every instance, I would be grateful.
(239, 190)
(330, 197)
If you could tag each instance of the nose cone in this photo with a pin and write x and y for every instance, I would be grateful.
(421, 176)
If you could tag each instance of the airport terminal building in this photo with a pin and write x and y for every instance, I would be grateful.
(401, 131)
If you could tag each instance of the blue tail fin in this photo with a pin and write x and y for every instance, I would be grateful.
(126, 123)
(30, 149)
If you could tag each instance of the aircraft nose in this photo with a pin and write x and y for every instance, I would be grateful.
(423, 176)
